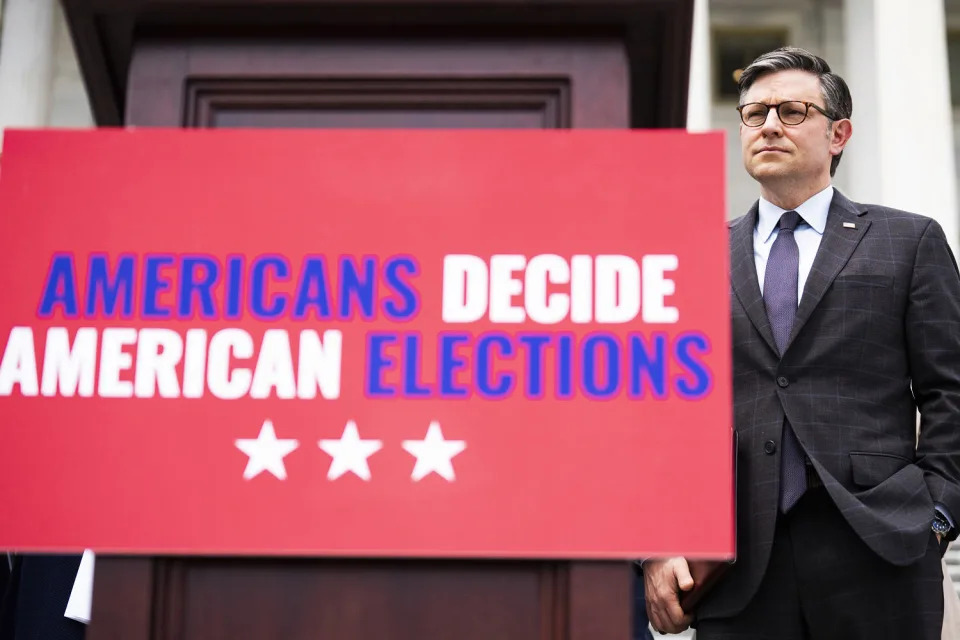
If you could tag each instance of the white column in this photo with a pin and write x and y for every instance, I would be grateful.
(26, 63)
(699, 99)
(901, 154)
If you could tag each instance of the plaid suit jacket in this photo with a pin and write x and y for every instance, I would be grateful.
(876, 337)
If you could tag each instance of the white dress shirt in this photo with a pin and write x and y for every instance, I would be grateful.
(809, 232)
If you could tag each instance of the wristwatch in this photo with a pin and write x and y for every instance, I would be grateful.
(942, 527)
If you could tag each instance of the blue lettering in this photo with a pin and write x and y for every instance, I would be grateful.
(258, 287)
(60, 287)
(590, 367)
(313, 290)
(154, 285)
(234, 292)
(534, 346)
(504, 381)
(450, 363)
(701, 375)
(355, 289)
(646, 370)
(410, 302)
(411, 368)
(190, 284)
(103, 290)
(565, 366)
(377, 363)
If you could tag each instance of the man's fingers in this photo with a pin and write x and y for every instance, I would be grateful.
(677, 620)
(661, 578)
(659, 620)
(673, 619)
(682, 570)
(653, 615)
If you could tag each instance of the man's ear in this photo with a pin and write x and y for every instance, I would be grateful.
(840, 134)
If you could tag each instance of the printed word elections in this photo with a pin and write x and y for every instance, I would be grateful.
(495, 365)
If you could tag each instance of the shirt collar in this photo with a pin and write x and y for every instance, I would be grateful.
(813, 211)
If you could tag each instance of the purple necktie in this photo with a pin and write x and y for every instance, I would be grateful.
(780, 299)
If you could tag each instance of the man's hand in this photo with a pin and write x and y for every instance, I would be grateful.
(663, 580)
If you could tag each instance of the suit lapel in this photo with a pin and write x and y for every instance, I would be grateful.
(836, 247)
(743, 275)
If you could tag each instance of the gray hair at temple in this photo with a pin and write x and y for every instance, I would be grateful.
(836, 95)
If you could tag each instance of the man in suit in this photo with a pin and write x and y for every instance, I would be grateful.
(846, 321)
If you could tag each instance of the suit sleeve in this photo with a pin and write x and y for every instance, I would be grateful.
(933, 347)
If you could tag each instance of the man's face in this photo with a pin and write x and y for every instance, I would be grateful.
(799, 153)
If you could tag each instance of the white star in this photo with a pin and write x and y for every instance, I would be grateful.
(434, 454)
(266, 452)
(350, 453)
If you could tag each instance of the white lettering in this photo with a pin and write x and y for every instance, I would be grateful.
(158, 354)
(503, 286)
(319, 364)
(581, 289)
(540, 307)
(274, 367)
(656, 287)
(69, 370)
(464, 288)
(222, 382)
(19, 364)
(113, 361)
(194, 361)
(618, 289)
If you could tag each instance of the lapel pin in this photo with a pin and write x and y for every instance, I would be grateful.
(849, 225)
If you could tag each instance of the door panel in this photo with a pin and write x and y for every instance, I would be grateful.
(555, 84)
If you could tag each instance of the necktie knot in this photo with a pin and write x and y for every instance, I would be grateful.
(789, 221)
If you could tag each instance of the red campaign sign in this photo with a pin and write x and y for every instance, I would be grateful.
(493, 344)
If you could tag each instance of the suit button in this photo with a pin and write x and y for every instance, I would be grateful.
(770, 447)
(783, 382)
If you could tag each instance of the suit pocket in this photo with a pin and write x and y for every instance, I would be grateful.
(870, 468)
(864, 280)
(863, 300)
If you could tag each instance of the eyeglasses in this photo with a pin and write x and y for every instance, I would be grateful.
(792, 112)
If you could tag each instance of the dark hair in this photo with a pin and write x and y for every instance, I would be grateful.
(836, 94)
